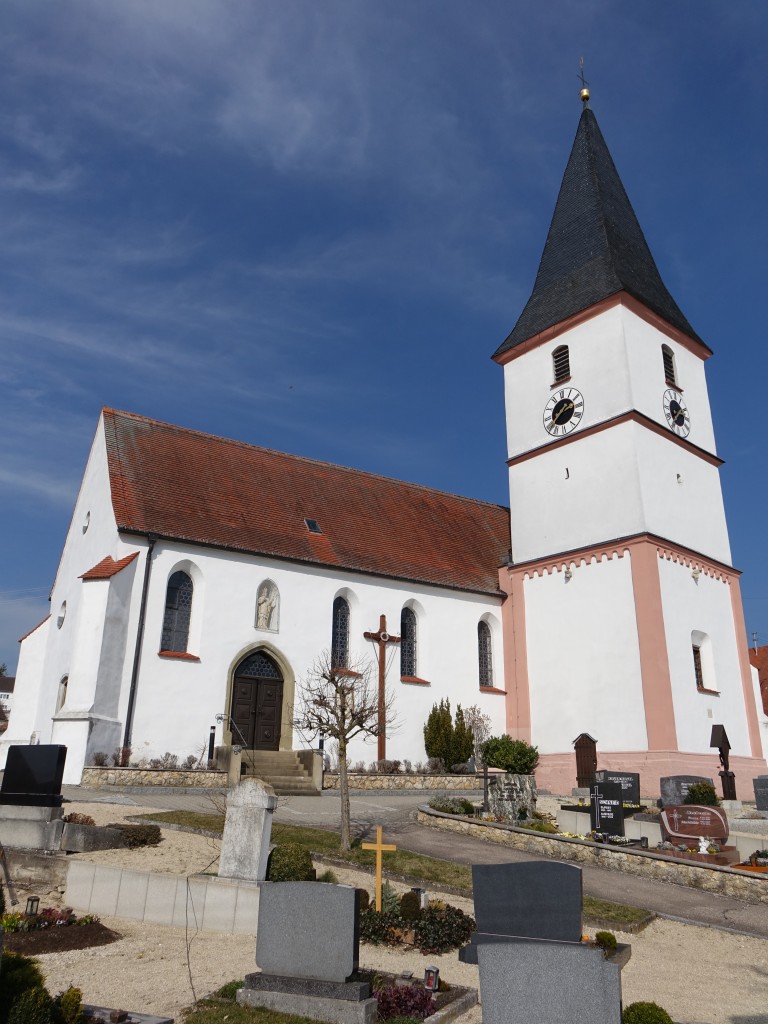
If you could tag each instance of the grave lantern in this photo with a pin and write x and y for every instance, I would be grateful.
(431, 979)
(33, 902)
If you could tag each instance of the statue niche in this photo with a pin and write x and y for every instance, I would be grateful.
(268, 607)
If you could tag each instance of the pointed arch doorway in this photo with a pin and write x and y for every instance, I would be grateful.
(257, 702)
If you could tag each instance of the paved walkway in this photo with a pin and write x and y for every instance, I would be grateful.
(396, 812)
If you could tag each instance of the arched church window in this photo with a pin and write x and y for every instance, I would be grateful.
(484, 654)
(340, 634)
(561, 363)
(61, 696)
(178, 610)
(268, 606)
(703, 661)
(408, 625)
(668, 356)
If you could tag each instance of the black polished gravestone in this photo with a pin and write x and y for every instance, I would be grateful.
(761, 792)
(629, 782)
(674, 788)
(606, 811)
(33, 776)
(536, 900)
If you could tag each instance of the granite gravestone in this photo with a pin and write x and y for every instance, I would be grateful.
(690, 821)
(247, 830)
(629, 782)
(539, 900)
(33, 776)
(533, 965)
(674, 788)
(761, 792)
(31, 817)
(512, 796)
(307, 948)
(606, 810)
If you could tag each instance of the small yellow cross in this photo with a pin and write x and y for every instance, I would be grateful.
(380, 848)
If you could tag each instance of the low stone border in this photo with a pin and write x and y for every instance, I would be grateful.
(647, 864)
(455, 1008)
(374, 780)
(98, 778)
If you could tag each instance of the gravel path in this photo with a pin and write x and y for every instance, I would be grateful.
(697, 973)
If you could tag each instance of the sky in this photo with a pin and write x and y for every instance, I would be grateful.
(308, 225)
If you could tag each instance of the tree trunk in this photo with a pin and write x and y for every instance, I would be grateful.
(344, 794)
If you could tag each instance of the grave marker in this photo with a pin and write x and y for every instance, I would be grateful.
(606, 813)
(33, 776)
(674, 788)
(629, 782)
(761, 792)
(247, 830)
(380, 847)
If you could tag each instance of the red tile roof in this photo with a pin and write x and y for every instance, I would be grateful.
(108, 567)
(41, 623)
(191, 486)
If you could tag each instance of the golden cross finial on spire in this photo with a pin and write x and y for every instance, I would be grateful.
(584, 92)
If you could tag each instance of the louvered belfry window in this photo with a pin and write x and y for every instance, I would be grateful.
(669, 364)
(484, 654)
(178, 610)
(408, 642)
(340, 634)
(561, 362)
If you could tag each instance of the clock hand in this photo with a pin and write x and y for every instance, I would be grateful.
(568, 406)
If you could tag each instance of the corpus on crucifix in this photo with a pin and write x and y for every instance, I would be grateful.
(382, 638)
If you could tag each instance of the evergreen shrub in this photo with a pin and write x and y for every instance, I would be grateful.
(290, 862)
(439, 930)
(18, 974)
(449, 740)
(514, 756)
(134, 835)
(410, 906)
(34, 1006)
(606, 941)
(452, 805)
(702, 793)
(645, 1013)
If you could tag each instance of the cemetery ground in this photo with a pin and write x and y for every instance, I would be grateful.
(698, 973)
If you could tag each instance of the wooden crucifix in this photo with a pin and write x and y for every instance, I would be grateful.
(381, 639)
(380, 847)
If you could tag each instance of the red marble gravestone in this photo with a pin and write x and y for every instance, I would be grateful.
(686, 823)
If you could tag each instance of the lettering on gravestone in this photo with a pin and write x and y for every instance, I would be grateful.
(629, 782)
(690, 821)
(606, 813)
(761, 792)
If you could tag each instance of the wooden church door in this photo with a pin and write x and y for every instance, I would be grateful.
(257, 703)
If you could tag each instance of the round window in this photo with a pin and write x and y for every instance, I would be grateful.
(86, 522)
(62, 615)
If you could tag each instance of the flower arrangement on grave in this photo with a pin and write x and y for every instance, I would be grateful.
(48, 917)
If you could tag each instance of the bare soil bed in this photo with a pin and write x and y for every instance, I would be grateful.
(59, 940)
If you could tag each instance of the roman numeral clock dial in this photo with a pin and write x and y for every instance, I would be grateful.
(563, 412)
(676, 412)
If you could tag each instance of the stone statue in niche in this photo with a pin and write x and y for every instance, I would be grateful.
(268, 606)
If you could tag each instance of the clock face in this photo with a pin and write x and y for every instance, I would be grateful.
(676, 412)
(563, 411)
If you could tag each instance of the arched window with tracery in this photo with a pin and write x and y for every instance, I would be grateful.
(340, 634)
(484, 654)
(178, 610)
(408, 643)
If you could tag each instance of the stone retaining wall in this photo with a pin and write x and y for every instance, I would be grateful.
(724, 881)
(98, 778)
(360, 780)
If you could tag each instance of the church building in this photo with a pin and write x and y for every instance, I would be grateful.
(202, 577)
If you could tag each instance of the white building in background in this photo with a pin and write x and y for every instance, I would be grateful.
(201, 577)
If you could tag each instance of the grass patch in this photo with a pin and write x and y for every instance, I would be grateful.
(229, 991)
(414, 865)
(605, 912)
(213, 1012)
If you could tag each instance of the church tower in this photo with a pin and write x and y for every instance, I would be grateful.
(624, 616)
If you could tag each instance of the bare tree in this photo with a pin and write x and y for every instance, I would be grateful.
(480, 726)
(341, 703)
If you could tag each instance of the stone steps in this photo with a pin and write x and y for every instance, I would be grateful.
(282, 770)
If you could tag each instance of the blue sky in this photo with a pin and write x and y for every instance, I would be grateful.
(308, 225)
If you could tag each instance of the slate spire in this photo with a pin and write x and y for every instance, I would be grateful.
(595, 246)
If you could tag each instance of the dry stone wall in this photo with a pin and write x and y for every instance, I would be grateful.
(99, 778)
(725, 881)
(360, 780)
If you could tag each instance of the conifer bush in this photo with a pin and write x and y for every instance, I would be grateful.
(702, 793)
(290, 862)
(450, 741)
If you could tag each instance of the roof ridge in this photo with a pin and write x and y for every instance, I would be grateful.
(299, 458)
